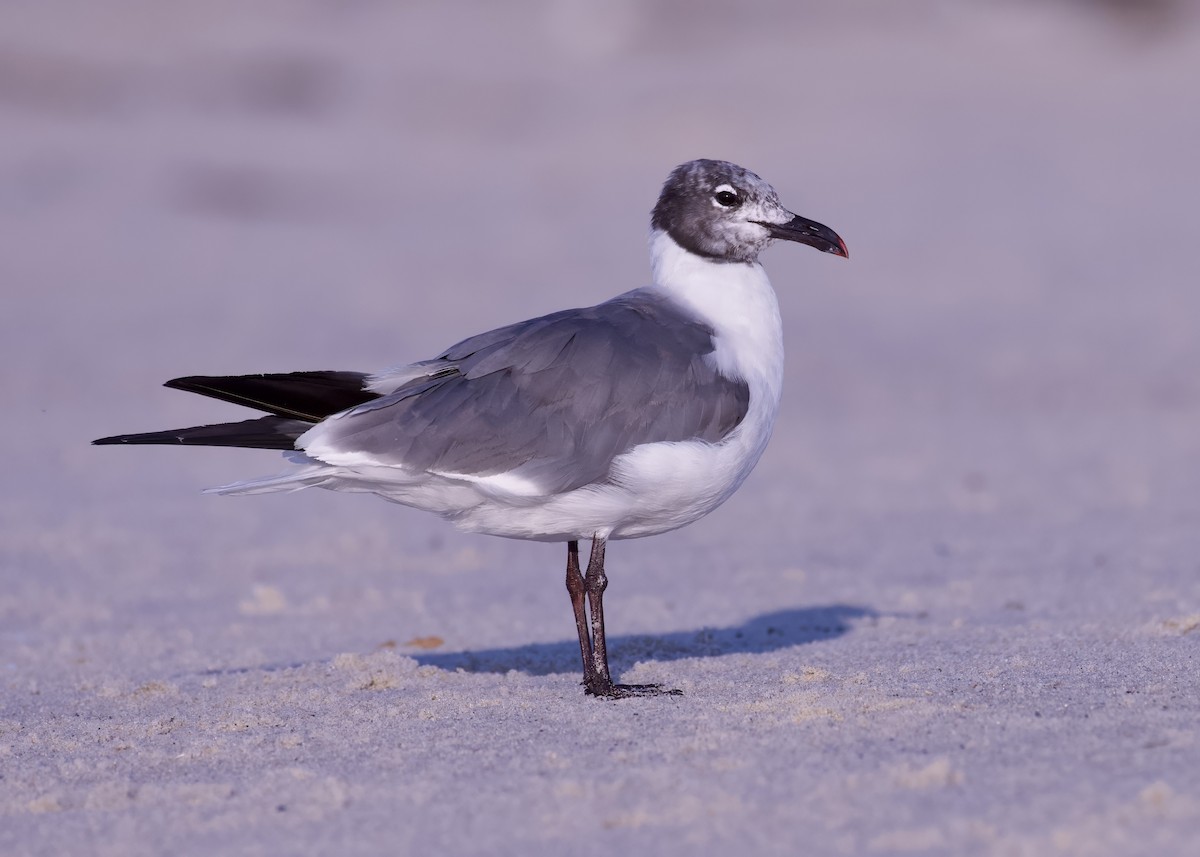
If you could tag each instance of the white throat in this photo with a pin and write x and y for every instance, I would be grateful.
(736, 300)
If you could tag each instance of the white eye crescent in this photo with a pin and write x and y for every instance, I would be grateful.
(726, 196)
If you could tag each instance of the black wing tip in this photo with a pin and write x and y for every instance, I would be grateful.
(182, 383)
(268, 432)
(200, 383)
(340, 377)
(310, 396)
(144, 438)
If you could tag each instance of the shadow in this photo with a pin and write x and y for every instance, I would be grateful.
(766, 633)
(769, 632)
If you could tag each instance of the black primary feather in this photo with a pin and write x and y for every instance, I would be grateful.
(295, 401)
(262, 433)
(308, 396)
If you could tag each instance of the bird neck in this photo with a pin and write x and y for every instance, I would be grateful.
(735, 299)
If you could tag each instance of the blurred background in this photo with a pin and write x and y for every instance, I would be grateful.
(1000, 385)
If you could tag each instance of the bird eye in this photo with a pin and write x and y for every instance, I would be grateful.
(727, 198)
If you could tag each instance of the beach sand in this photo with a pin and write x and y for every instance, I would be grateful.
(955, 610)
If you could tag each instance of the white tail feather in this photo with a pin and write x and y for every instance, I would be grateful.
(296, 480)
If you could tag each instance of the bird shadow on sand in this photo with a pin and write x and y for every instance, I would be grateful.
(768, 632)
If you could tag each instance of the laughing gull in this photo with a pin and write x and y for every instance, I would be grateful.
(626, 419)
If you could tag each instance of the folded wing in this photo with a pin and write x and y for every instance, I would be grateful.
(552, 400)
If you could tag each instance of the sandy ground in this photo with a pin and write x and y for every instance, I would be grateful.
(956, 609)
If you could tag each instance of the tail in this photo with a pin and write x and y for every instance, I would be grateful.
(295, 402)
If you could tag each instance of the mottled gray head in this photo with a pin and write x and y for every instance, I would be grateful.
(726, 213)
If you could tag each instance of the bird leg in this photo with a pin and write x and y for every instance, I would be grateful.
(597, 681)
(595, 583)
(575, 588)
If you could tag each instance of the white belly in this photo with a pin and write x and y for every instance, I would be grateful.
(652, 489)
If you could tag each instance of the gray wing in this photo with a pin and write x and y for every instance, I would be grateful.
(554, 399)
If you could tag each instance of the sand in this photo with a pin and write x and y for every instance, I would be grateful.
(955, 610)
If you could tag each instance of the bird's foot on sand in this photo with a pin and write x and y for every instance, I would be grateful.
(608, 690)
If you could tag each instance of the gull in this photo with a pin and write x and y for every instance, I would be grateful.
(626, 419)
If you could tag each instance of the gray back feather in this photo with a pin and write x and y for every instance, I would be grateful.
(555, 398)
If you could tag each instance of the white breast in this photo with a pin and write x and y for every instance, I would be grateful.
(737, 301)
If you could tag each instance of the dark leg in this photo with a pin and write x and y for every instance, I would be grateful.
(596, 679)
(576, 591)
(595, 583)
